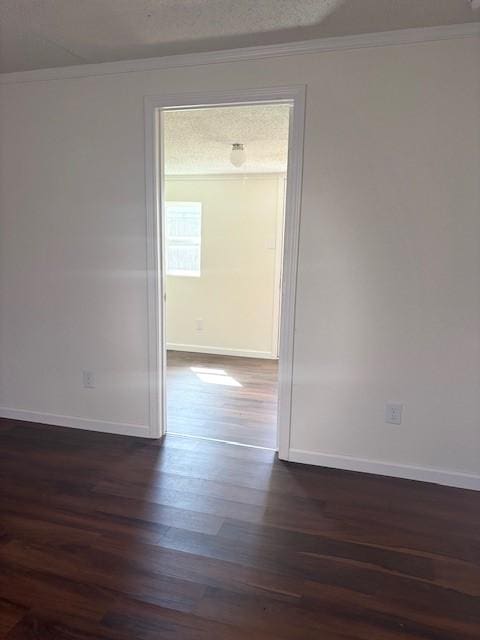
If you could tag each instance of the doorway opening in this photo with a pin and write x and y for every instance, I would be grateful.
(223, 203)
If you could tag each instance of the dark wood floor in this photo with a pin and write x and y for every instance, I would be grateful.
(222, 397)
(121, 538)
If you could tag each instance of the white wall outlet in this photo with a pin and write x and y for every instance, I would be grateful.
(88, 379)
(199, 324)
(393, 413)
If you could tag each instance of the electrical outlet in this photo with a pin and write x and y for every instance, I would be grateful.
(393, 413)
(199, 324)
(88, 379)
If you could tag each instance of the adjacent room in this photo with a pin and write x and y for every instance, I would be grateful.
(240, 320)
(223, 218)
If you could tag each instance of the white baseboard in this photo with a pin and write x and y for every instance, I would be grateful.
(408, 472)
(72, 422)
(221, 351)
(345, 463)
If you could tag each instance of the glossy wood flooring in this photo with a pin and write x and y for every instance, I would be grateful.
(120, 538)
(222, 397)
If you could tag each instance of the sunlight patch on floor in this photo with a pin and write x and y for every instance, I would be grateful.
(215, 376)
(220, 372)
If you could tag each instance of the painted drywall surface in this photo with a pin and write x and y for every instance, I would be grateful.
(235, 294)
(388, 302)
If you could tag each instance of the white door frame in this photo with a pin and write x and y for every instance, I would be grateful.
(154, 105)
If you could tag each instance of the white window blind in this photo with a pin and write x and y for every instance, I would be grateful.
(183, 230)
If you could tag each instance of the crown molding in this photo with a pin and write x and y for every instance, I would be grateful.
(305, 47)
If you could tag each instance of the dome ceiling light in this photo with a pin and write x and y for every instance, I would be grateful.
(237, 154)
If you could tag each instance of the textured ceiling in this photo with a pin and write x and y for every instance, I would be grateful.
(199, 141)
(51, 33)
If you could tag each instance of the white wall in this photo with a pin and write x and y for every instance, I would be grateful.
(388, 304)
(235, 295)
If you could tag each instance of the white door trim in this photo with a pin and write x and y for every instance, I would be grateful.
(154, 105)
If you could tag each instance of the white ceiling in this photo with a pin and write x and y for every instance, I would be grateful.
(199, 141)
(38, 34)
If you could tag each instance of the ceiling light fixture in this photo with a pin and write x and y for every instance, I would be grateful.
(237, 154)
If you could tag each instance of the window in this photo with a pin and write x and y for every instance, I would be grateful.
(183, 228)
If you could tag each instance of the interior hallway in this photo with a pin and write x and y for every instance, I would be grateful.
(222, 397)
